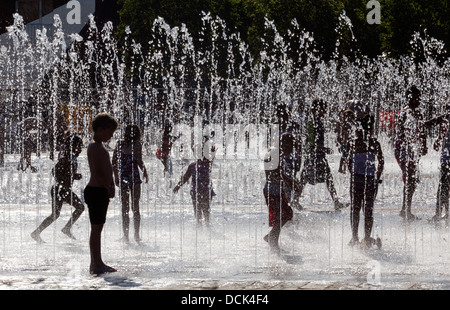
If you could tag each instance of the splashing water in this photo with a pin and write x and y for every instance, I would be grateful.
(215, 89)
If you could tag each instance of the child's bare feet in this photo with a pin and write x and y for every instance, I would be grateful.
(35, 235)
(101, 269)
(68, 233)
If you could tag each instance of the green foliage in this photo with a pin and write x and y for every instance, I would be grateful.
(400, 19)
(403, 18)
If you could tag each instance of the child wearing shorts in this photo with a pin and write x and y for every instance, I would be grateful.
(100, 187)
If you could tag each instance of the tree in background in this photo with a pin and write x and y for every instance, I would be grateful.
(400, 19)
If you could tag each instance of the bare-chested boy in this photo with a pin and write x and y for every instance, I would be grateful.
(100, 187)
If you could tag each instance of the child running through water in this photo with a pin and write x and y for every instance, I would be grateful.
(127, 160)
(201, 184)
(65, 172)
(100, 187)
(365, 176)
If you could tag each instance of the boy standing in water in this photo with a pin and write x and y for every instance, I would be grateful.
(365, 176)
(100, 187)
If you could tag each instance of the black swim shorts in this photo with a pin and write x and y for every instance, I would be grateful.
(97, 200)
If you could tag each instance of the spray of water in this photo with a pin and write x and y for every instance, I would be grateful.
(213, 87)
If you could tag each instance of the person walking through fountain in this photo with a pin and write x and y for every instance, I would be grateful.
(410, 146)
(201, 183)
(365, 176)
(275, 192)
(126, 161)
(316, 168)
(100, 187)
(65, 172)
(344, 131)
(442, 144)
(30, 129)
(163, 153)
(293, 161)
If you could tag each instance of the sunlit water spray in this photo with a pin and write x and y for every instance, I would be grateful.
(217, 88)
